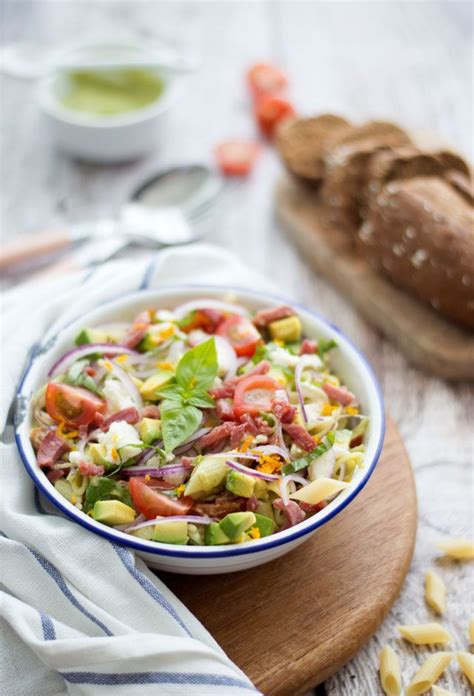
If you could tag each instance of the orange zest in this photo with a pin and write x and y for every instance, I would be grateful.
(246, 443)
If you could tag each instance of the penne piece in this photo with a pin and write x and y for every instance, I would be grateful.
(429, 673)
(435, 592)
(438, 691)
(390, 675)
(425, 634)
(466, 663)
(459, 549)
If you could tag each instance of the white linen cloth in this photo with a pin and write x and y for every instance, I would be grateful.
(79, 614)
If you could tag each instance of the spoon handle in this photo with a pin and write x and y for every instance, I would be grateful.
(28, 247)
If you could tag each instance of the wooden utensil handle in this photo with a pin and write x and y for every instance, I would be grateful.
(28, 247)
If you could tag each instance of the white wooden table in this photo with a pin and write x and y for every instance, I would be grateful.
(406, 61)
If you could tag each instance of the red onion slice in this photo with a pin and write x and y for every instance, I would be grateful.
(284, 481)
(67, 359)
(273, 449)
(304, 362)
(156, 471)
(127, 383)
(251, 472)
(191, 519)
(187, 307)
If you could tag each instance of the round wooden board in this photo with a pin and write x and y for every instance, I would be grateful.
(293, 622)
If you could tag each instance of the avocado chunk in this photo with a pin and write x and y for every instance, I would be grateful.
(97, 452)
(235, 523)
(240, 484)
(214, 535)
(90, 336)
(113, 512)
(150, 430)
(156, 334)
(207, 476)
(144, 532)
(154, 383)
(264, 524)
(265, 509)
(171, 532)
(288, 329)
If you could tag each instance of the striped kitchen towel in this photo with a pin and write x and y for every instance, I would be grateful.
(81, 615)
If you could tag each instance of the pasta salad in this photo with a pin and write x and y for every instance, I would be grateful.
(202, 424)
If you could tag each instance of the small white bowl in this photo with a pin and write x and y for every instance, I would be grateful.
(347, 361)
(106, 139)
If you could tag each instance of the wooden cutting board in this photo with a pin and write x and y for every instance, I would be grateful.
(293, 622)
(427, 340)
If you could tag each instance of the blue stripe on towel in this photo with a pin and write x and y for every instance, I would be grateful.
(189, 678)
(61, 583)
(49, 632)
(148, 273)
(127, 559)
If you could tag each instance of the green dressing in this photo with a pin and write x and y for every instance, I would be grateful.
(111, 92)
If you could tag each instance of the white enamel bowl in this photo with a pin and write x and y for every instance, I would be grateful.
(347, 362)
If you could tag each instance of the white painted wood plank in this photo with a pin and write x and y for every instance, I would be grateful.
(407, 61)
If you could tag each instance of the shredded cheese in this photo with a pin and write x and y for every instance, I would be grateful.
(164, 365)
(268, 463)
(327, 409)
(73, 499)
(351, 410)
(246, 443)
(254, 532)
(180, 490)
(122, 358)
(108, 365)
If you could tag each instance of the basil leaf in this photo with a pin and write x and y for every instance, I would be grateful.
(101, 488)
(178, 422)
(201, 399)
(302, 462)
(197, 369)
(325, 346)
(260, 354)
(172, 392)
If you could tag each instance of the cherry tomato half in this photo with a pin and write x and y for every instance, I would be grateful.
(254, 394)
(241, 334)
(73, 405)
(270, 111)
(237, 157)
(264, 78)
(153, 504)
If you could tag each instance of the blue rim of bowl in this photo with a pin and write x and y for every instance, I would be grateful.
(205, 553)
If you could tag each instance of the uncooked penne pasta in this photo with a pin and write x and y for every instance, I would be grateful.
(438, 691)
(460, 549)
(435, 592)
(466, 663)
(425, 634)
(390, 675)
(471, 631)
(429, 673)
(319, 490)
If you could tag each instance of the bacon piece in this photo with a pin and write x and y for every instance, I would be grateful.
(216, 436)
(300, 436)
(37, 436)
(308, 347)
(225, 410)
(224, 391)
(51, 449)
(150, 412)
(284, 411)
(220, 507)
(129, 415)
(340, 394)
(55, 474)
(311, 508)
(90, 469)
(265, 317)
(250, 425)
(292, 511)
(137, 330)
(356, 441)
(252, 503)
(237, 433)
(84, 429)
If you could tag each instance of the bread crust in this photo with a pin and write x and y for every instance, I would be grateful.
(303, 143)
(420, 233)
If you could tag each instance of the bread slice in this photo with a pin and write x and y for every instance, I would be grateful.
(420, 233)
(347, 168)
(303, 142)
